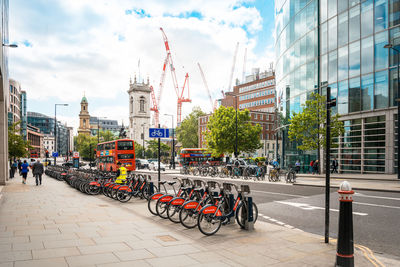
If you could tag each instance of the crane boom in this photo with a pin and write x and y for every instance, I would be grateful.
(244, 65)
(206, 86)
(233, 66)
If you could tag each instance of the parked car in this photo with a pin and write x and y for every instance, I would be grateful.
(154, 166)
(71, 164)
(142, 164)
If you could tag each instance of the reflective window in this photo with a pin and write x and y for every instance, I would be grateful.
(343, 96)
(334, 93)
(354, 59)
(394, 38)
(332, 8)
(381, 98)
(394, 12)
(393, 87)
(310, 16)
(367, 55)
(324, 38)
(354, 95)
(332, 67)
(367, 92)
(354, 23)
(343, 65)
(310, 45)
(310, 75)
(332, 36)
(381, 53)
(342, 5)
(367, 12)
(380, 15)
(324, 68)
(324, 9)
(353, 2)
(343, 31)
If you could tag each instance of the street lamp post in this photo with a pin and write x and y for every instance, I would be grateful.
(55, 128)
(173, 141)
(390, 46)
(236, 122)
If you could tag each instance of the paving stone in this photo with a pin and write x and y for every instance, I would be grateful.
(7, 264)
(173, 250)
(138, 263)
(14, 239)
(134, 255)
(59, 262)
(180, 260)
(116, 239)
(5, 247)
(53, 237)
(103, 248)
(28, 246)
(36, 232)
(206, 257)
(6, 234)
(68, 243)
(15, 256)
(55, 253)
(92, 259)
(143, 244)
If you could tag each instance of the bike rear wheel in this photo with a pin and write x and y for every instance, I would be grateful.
(240, 219)
(173, 212)
(188, 218)
(208, 223)
(123, 196)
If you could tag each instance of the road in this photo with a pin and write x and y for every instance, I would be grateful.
(375, 214)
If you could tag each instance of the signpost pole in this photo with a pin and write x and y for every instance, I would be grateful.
(159, 158)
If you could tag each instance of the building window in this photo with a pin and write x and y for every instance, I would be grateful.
(141, 104)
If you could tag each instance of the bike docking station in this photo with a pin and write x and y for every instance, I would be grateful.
(159, 133)
(345, 243)
(247, 210)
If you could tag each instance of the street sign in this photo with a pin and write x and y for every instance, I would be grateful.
(55, 154)
(75, 155)
(158, 133)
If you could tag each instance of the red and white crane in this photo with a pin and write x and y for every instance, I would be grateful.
(179, 93)
(156, 102)
(213, 103)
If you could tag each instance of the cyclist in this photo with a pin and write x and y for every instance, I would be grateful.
(275, 163)
(121, 174)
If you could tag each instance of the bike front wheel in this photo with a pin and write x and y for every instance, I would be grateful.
(208, 223)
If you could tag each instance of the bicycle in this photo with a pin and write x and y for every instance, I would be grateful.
(152, 201)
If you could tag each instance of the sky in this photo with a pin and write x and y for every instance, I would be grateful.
(70, 48)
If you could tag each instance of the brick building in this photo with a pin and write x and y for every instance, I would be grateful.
(35, 138)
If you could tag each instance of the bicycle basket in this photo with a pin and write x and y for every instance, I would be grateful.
(228, 186)
(212, 184)
(245, 188)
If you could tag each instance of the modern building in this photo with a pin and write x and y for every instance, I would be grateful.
(340, 44)
(4, 92)
(23, 116)
(104, 125)
(35, 138)
(48, 143)
(46, 126)
(14, 108)
(139, 111)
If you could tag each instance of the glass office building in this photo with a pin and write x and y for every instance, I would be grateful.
(340, 44)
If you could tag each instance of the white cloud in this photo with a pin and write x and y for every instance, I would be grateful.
(78, 49)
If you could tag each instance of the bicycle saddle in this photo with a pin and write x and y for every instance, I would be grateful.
(172, 182)
(163, 182)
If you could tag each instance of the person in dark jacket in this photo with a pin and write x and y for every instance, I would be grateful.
(37, 170)
(19, 167)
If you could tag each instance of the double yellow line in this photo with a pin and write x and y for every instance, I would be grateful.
(368, 254)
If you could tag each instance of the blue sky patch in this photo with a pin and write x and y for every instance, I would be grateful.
(27, 43)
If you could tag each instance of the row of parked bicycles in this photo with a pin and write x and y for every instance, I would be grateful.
(206, 205)
(246, 172)
(193, 203)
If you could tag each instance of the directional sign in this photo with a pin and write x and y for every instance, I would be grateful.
(158, 133)
(55, 154)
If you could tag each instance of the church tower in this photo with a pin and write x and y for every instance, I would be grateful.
(84, 118)
(139, 111)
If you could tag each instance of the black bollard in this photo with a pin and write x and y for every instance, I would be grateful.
(345, 243)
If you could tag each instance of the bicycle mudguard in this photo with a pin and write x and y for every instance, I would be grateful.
(156, 195)
(191, 204)
(210, 209)
(124, 187)
(166, 198)
(94, 183)
(177, 201)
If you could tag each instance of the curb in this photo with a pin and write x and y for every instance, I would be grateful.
(354, 188)
(350, 178)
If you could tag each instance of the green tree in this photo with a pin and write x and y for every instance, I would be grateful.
(152, 148)
(85, 145)
(17, 146)
(187, 133)
(221, 133)
(304, 128)
(107, 135)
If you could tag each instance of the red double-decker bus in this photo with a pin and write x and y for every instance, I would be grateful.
(190, 156)
(109, 153)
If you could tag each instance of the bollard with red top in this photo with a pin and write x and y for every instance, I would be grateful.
(345, 244)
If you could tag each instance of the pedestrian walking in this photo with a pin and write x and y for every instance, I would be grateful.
(335, 166)
(311, 169)
(14, 167)
(24, 171)
(19, 167)
(297, 166)
(37, 170)
(316, 167)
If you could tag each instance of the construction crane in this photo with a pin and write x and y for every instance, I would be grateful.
(156, 102)
(233, 66)
(213, 104)
(179, 93)
(244, 65)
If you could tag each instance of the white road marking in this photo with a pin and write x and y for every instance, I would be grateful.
(305, 206)
(266, 217)
(275, 193)
(288, 226)
(280, 223)
(389, 198)
(376, 205)
(273, 220)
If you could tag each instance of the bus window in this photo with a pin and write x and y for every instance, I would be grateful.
(107, 146)
(102, 147)
(98, 147)
(125, 145)
(113, 145)
(110, 159)
(125, 156)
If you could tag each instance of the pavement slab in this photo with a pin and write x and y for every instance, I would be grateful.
(56, 225)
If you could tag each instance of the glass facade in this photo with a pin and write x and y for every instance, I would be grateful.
(340, 43)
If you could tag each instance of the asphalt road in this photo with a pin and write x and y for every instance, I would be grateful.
(375, 214)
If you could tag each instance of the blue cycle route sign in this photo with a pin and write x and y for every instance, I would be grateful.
(55, 154)
(158, 133)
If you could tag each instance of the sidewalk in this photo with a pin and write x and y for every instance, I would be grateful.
(56, 225)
